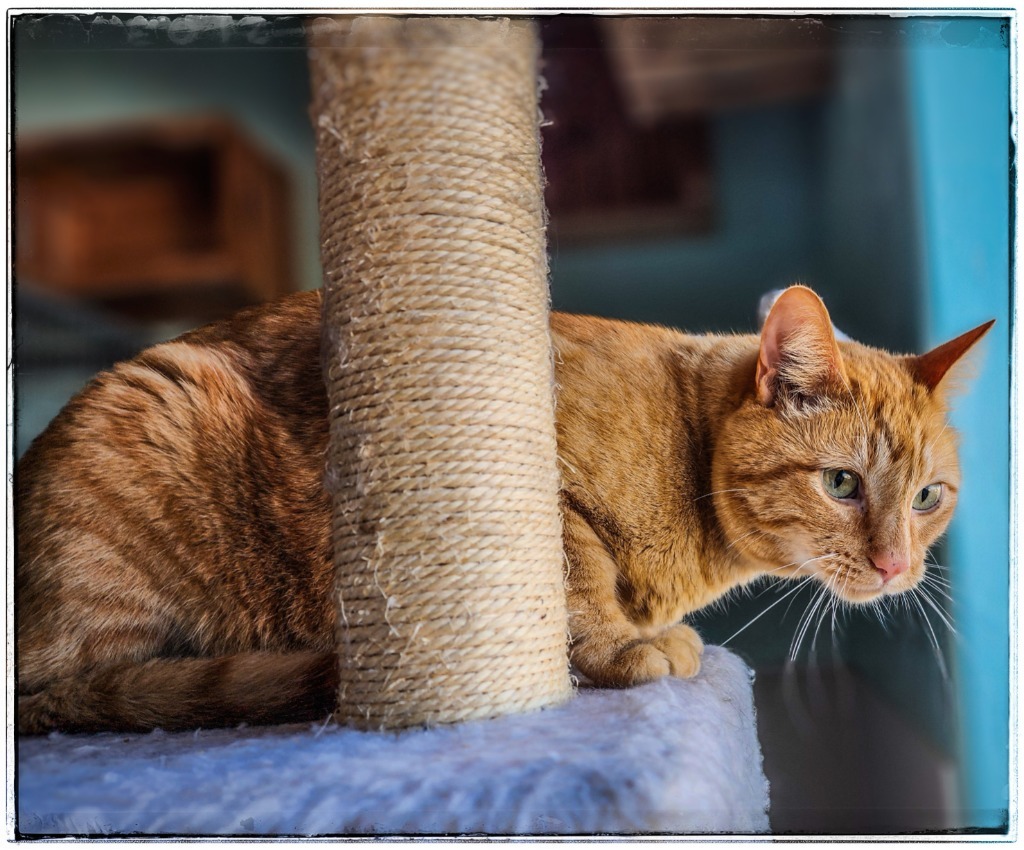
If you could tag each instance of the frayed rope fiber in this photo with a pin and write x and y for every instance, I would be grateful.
(437, 358)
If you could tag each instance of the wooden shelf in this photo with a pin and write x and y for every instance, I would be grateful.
(171, 205)
(677, 67)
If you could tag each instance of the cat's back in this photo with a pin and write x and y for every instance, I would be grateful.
(591, 352)
(183, 470)
(175, 400)
(606, 365)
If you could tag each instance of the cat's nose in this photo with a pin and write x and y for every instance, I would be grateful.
(890, 564)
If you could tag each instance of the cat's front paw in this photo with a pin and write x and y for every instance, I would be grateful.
(682, 648)
(675, 651)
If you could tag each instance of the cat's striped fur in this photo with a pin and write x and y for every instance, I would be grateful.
(173, 547)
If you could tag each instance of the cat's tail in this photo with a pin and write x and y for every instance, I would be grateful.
(186, 693)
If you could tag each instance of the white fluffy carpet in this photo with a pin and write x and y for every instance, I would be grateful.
(669, 757)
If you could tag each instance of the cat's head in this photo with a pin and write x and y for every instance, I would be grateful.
(839, 461)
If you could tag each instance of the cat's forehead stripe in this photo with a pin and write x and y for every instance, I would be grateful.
(879, 449)
(893, 445)
(902, 443)
(897, 448)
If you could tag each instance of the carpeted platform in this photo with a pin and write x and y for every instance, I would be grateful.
(669, 757)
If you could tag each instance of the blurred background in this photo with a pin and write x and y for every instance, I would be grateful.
(165, 176)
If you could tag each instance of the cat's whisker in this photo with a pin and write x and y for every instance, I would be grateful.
(768, 573)
(809, 620)
(937, 566)
(827, 608)
(892, 606)
(837, 606)
(791, 601)
(933, 639)
(770, 586)
(937, 581)
(792, 654)
(744, 537)
(783, 567)
(834, 600)
(819, 611)
(877, 607)
(822, 614)
(800, 585)
(935, 607)
(944, 587)
(716, 492)
(931, 445)
(769, 579)
(926, 580)
(804, 564)
(846, 581)
(805, 621)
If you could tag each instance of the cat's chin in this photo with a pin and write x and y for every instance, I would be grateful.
(868, 591)
(854, 588)
(858, 596)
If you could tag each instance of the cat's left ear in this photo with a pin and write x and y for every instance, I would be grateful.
(798, 350)
(929, 369)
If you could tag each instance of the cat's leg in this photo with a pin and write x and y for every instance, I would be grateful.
(606, 645)
(683, 648)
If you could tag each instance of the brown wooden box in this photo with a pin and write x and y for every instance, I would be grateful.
(171, 206)
(683, 66)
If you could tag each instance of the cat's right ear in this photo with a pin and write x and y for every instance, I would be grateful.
(930, 369)
(798, 350)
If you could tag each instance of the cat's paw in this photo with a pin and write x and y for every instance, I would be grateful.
(675, 651)
(682, 648)
(639, 662)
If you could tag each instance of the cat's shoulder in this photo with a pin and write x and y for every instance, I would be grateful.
(596, 331)
(293, 316)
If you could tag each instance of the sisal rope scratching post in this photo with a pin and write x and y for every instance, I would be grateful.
(442, 456)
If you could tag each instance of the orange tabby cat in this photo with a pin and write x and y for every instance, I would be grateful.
(173, 547)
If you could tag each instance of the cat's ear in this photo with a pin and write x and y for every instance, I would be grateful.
(929, 369)
(798, 348)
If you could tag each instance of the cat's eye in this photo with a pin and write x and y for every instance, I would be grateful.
(927, 498)
(841, 483)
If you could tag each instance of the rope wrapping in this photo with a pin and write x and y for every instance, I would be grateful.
(437, 360)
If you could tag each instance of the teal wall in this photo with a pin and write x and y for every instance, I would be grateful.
(959, 79)
(761, 239)
(818, 192)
